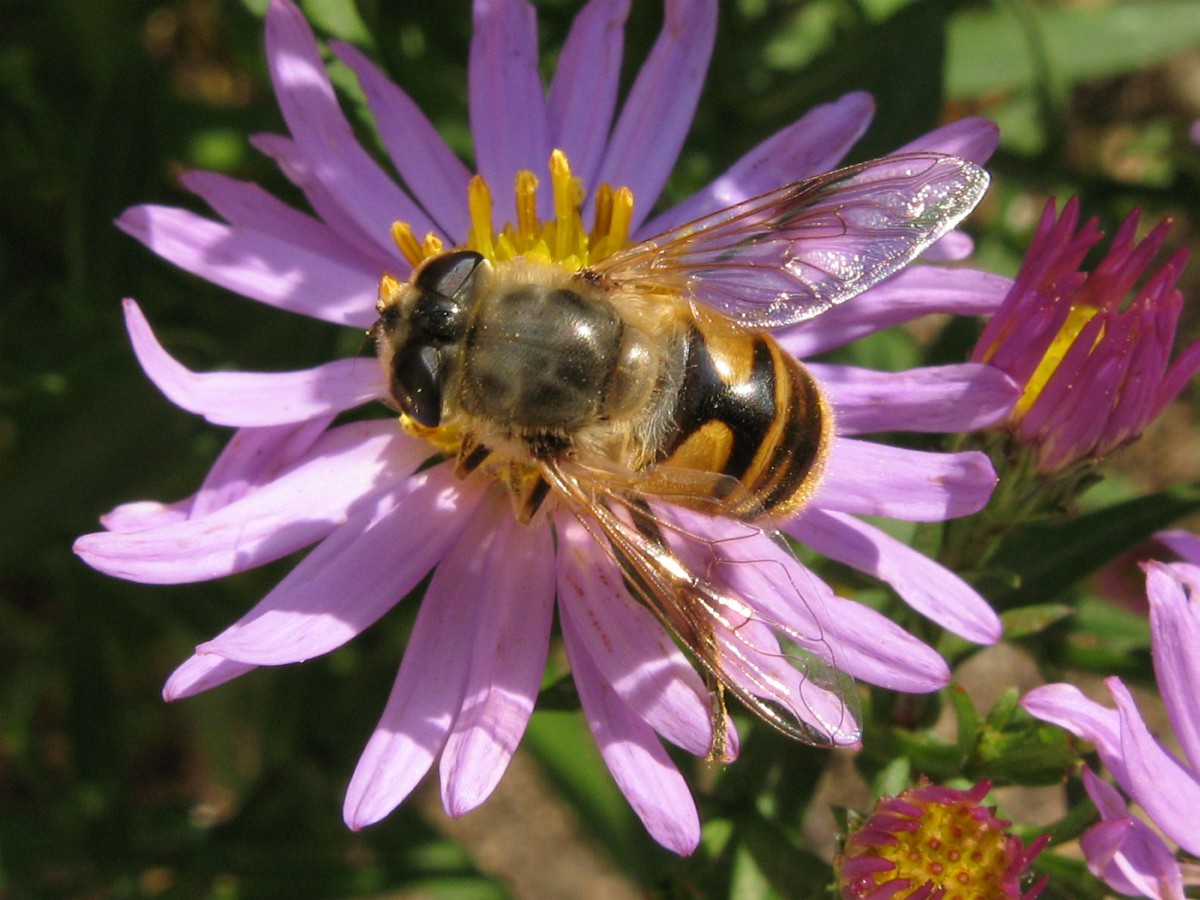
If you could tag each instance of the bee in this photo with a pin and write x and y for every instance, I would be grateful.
(649, 382)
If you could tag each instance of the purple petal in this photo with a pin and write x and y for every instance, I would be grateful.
(915, 292)
(1123, 852)
(955, 246)
(851, 637)
(924, 585)
(1066, 706)
(1185, 544)
(952, 398)
(432, 682)
(872, 648)
(875, 479)
(202, 672)
(1132, 860)
(1175, 635)
(658, 111)
(628, 646)
(246, 205)
(583, 94)
(143, 514)
(640, 766)
(296, 167)
(813, 145)
(257, 265)
(974, 138)
(299, 507)
(1108, 800)
(324, 137)
(1167, 791)
(255, 398)
(355, 575)
(254, 457)
(507, 102)
(437, 178)
(512, 636)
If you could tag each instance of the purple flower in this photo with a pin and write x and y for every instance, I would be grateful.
(1184, 544)
(290, 478)
(1121, 849)
(1094, 364)
(931, 842)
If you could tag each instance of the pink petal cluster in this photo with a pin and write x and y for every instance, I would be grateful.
(290, 478)
(1130, 856)
(934, 843)
(1094, 363)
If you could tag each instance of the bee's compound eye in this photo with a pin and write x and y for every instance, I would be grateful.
(417, 384)
(450, 274)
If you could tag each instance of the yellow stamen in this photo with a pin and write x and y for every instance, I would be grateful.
(622, 219)
(388, 288)
(432, 245)
(604, 211)
(1075, 322)
(560, 241)
(568, 197)
(402, 234)
(527, 220)
(479, 201)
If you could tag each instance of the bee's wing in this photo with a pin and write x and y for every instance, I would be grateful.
(714, 601)
(794, 252)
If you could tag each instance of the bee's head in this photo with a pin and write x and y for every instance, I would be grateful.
(419, 325)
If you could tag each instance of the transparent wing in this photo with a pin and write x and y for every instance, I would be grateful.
(719, 595)
(794, 252)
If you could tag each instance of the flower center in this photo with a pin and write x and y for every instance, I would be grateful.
(562, 240)
(938, 837)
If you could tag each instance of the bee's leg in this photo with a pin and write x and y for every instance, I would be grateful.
(528, 489)
(718, 751)
(471, 455)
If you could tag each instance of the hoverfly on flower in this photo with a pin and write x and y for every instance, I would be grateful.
(628, 378)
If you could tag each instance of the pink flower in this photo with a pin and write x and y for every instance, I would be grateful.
(380, 522)
(1094, 364)
(934, 842)
(1121, 849)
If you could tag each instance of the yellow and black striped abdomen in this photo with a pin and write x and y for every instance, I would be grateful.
(748, 411)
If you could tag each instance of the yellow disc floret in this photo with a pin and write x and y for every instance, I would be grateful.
(562, 240)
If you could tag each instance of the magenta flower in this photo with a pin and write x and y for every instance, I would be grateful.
(933, 842)
(1094, 364)
(381, 522)
(1131, 857)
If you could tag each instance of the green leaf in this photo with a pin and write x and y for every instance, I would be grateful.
(1027, 620)
(966, 718)
(1015, 748)
(928, 754)
(987, 50)
(893, 778)
(1069, 879)
(339, 19)
(791, 871)
(1048, 558)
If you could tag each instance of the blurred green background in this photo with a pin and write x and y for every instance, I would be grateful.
(104, 789)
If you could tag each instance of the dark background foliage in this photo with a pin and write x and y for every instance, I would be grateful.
(106, 791)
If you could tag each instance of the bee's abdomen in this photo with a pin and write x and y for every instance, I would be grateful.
(749, 411)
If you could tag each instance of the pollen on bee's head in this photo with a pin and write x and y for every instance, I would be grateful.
(562, 240)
